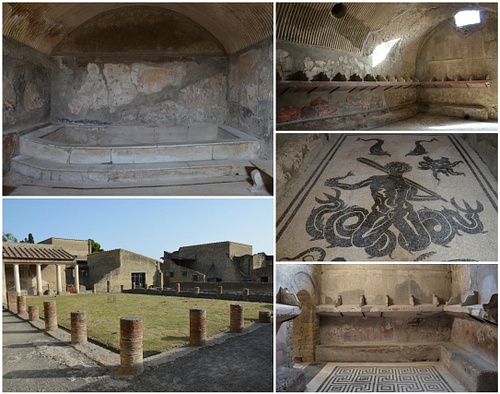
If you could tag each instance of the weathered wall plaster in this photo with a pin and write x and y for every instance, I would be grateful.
(250, 94)
(26, 94)
(450, 55)
(136, 93)
(295, 62)
(482, 278)
(375, 282)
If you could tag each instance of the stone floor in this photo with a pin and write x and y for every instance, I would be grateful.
(402, 197)
(34, 361)
(434, 123)
(381, 377)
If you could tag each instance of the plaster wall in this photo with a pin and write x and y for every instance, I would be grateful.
(117, 267)
(301, 62)
(26, 94)
(477, 338)
(448, 54)
(130, 92)
(398, 281)
(250, 94)
(482, 278)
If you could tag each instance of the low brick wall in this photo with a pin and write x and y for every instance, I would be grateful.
(232, 291)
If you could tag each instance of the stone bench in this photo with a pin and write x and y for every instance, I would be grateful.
(472, 371)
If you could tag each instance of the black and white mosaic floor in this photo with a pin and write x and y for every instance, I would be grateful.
(406, 197)
(383, 378)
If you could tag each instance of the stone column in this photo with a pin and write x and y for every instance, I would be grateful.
(50, 315)
(21, 305)
(177, 288)
(39, 287)
(76, 274)
(196, 290)
(236, 318)
(220, 290)
(131, 358)
(59, 279)
(94, 289)
(78, 328)
(197, 327)
(33, 313)
(17, 279)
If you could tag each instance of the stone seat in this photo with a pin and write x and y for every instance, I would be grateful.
(383, 352)
(471, 370)
(49, 171)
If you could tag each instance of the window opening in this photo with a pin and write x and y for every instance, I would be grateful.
(382, 50)
(467, 17)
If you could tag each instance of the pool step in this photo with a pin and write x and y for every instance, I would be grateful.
(130, 172)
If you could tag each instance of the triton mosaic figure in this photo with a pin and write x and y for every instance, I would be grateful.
(392, 195)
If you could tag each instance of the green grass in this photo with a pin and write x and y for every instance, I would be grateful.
(165, 319)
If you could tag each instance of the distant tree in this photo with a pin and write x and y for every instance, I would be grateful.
(29, 240)
(95, 247)
(8, 237)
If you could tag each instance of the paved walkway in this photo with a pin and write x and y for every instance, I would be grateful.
(34, 361)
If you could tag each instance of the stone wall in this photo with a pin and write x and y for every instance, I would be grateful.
(477, 338)
(250, 94)
(26, 94)
(80, 248)
(117, 267)
(448, 54)
(171, 92)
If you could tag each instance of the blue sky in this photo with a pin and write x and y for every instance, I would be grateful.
(145, 226)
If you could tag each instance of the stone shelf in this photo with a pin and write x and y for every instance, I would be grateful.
(285, 313)
(288, 87)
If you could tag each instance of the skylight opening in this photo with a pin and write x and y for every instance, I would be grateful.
(382, 50)
(467, 17)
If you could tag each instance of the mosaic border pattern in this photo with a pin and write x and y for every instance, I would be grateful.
(385, 379)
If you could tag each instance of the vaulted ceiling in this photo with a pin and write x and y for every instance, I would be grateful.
(360, 27)
(42, 26)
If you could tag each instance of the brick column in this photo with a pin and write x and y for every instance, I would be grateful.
(33, 313)
(246, 293)
(21, 305)
(177, 288)
(196, 290)
(197, 327)
(50, 315)
(236, 318)
(78, 328)
(220, 290)
(131, 358)
(264, 317)
(12, 301)
(39, 289)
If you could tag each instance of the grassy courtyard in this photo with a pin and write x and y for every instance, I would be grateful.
(166, 319)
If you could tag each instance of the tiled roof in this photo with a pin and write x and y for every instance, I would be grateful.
(20, 251)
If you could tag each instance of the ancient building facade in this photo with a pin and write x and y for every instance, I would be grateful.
(217, 262)
(110, 270)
